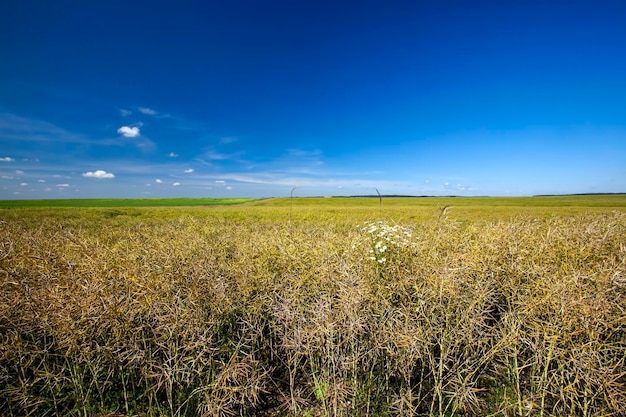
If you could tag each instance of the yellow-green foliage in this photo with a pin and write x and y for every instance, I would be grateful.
(296, 311)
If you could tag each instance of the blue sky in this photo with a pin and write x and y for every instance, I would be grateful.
(252, 98)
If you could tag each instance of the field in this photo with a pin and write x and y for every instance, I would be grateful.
(316, 307)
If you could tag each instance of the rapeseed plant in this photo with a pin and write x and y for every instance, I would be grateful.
(232, 311)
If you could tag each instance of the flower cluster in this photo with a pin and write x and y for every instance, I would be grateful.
(385, 238)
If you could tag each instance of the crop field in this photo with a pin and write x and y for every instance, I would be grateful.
(316, 307)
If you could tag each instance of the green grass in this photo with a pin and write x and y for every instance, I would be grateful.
(583, 201)
(123, 202)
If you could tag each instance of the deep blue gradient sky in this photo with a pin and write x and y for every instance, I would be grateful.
(251, 98)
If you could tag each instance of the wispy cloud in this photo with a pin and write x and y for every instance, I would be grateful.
(173, 155)
(21, 129)
(213, 155)
(158, 181)
(462, 187)
(189, 171)
(16, 132)
(100, 174)
(277, 179)
(215, 158)
(228, 139)
(125, 112)
(146, 110)
(128, 132)
(301, 153)
(176, 184)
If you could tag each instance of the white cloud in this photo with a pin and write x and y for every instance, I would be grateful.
(24, 184)
(125, 112)
(158, 181)
(19, 171)
(98, 174)
(63, 185)
(41, 180)
(189, 171)
(229, 188)
(176, 184)
(7, 177)
(146, 110)
(173, 155)
(7, 159)
(462, 187)
(219, 182)
(128, 132)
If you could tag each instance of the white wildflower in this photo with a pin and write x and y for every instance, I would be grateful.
(384, 238)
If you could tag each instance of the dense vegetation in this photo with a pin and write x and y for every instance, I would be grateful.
(310, 307)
